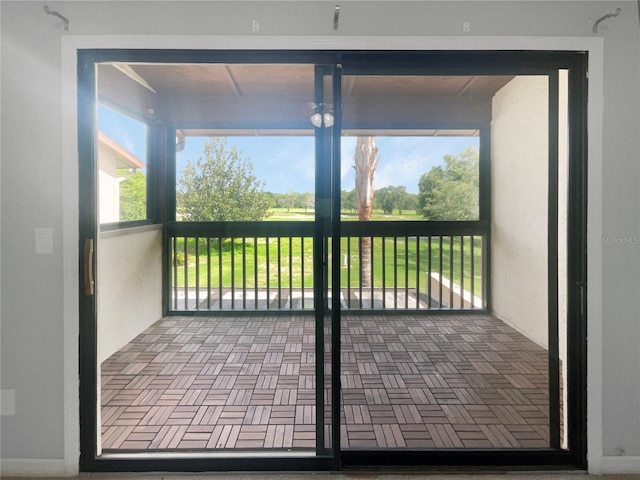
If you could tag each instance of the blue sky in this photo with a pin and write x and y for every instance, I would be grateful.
(287, 163)
(129, 133)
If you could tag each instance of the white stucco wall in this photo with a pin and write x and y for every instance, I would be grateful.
(519, 191)
(129, 286)
(39, 347)
(519, 199)
(108, 187)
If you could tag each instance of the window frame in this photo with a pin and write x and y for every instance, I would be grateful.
(152, 168)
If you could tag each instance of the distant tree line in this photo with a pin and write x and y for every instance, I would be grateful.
(289, 200)
(385, 199)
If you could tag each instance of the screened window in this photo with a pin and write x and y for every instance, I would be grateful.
(122, 175)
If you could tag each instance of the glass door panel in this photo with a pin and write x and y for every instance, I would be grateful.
(424, 183)
(242, 232)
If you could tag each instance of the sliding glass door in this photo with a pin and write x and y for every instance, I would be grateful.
(454, 214)
(341, 259)
(234, 354)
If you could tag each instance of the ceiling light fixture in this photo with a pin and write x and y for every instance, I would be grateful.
(328, 120)
(321, 118)
(316, 120)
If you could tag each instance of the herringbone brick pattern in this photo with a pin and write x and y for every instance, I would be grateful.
(245, 383)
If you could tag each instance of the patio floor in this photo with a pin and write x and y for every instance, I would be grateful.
(437, 381)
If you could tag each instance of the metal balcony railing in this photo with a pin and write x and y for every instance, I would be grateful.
(261, 266)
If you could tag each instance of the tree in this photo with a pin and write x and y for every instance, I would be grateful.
(289, 200)
(221, 186)
(278, 199)
(309, 201)
(389, 198)
(298, 200)
(409, 202)
(348, 200)
(133, 196)
(451, 191)
(365, 163)
(271, 199)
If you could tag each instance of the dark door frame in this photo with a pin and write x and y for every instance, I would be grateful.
(434, 63)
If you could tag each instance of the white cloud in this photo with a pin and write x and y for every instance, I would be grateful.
(403, 160)
(295, 164)
(404, 170)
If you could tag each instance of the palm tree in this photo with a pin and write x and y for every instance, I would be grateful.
(365, 163)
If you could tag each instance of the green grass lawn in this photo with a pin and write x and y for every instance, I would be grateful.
(290, 214)
(409, 267)
(300, 214)
(292, 265)
(291, 262)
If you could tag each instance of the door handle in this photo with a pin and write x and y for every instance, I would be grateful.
(88, 267)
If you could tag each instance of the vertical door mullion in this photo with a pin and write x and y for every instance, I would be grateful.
(576, 262)
(88, 230)
(327, 237)
(318, 267)
(552, 259)
(335, 258)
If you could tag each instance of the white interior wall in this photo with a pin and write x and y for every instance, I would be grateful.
(129, 279)
(32, 285)
(519, 201)
(39, 332)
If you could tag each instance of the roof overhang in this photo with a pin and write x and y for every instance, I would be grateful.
(268, 98)
(124, 158)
